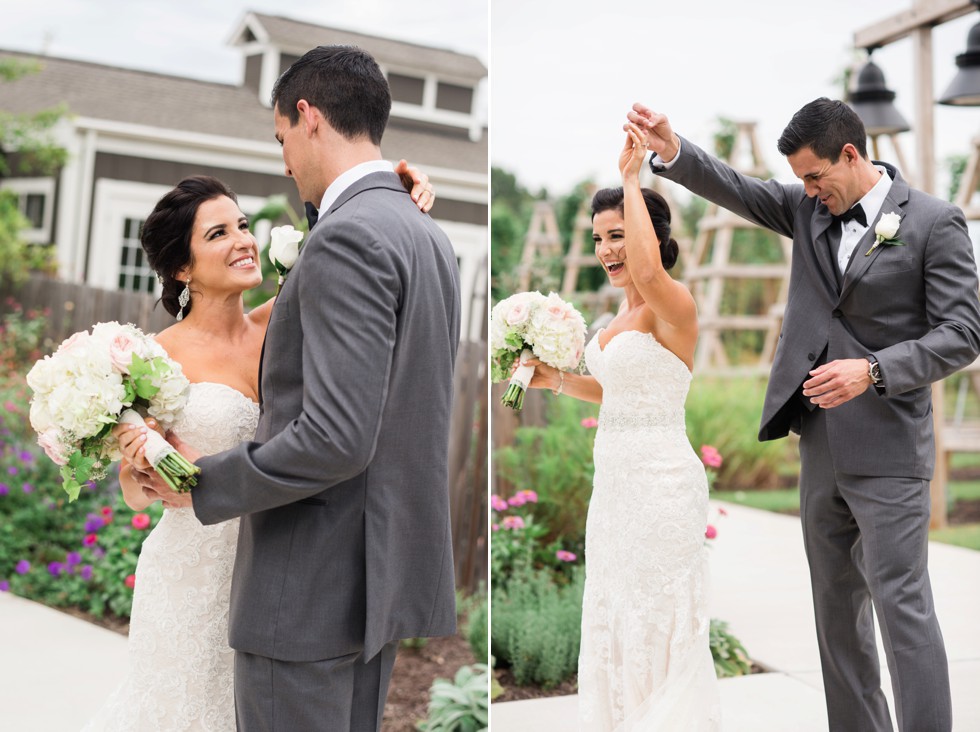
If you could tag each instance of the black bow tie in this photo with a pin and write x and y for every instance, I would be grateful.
(311, 214)
(855, 212)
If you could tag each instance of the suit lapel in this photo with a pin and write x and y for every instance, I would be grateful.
(898, 196)
(820, 233)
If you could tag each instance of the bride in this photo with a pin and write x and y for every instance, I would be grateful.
(180, 674)
(645, 662)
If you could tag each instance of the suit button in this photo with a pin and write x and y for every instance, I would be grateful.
(837, 313)
(810, 356)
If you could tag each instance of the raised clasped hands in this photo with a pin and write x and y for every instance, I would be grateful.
(837, 382)
(633, 154)
(132, 441)
(660, 137)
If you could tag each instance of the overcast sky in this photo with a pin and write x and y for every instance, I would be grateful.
(563, 76)
(190, 37)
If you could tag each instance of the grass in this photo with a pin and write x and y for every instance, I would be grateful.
(787, 500)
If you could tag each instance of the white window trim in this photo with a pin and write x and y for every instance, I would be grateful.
(470, 244)
(43, 186)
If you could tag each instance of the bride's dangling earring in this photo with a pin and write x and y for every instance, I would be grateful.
(183, 298)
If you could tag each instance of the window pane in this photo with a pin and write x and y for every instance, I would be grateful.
(454, 97)
(134, 274)
(407, 89)
(34, 209)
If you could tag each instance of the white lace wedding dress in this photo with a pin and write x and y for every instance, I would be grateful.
(180, 674)
(645, 664)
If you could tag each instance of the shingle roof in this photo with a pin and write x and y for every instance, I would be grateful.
(190, 105)
(300, 36)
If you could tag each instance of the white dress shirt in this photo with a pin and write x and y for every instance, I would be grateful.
(348, 178)
(852, 231)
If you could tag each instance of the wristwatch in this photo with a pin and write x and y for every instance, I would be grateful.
(874, 371)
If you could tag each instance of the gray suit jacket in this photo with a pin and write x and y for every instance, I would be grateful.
(915, 308)
(345, 539)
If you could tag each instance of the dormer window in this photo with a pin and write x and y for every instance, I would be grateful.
(406, 89)
(454, 97)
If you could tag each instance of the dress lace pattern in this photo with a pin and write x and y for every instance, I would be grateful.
(645, 663)
(180, 674)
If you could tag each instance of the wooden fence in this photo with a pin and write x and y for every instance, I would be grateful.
(74, 307)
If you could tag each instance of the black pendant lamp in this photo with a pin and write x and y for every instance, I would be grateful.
(874, 102)
(964, 90)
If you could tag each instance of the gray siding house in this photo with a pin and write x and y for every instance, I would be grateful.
(131, 135)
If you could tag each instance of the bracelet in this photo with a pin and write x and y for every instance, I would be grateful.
(561, 383)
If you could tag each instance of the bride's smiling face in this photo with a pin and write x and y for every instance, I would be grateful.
(224, 254)
(608, 234)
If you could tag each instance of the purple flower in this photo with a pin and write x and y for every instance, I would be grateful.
(28, 488)
(55, 568)
(93, 523)
(12, 470)
(4, 586)
(23, 567)
(98, 552)
(26, 457)
(87, 572)
(4, 489)
(73, 558)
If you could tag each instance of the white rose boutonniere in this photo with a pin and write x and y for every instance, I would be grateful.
(284, 246)
(885, 231)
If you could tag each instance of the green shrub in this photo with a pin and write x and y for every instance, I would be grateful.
(477, 631)
(731, 658)
(725, 413)
(536, 626)
(462, 705)
(555, 462)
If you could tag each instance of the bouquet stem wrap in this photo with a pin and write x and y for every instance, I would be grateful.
(177, 472)
(514, 397)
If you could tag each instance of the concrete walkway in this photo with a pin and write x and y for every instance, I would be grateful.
(760, 586)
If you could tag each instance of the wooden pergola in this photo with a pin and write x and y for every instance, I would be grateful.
(917, 23)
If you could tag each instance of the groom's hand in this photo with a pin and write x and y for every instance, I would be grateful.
(837, 382)
(660, 137)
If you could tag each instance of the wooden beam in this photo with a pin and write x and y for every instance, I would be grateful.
(926, 14)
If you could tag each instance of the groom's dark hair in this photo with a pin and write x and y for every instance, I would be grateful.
(344, 83)
(825, 126)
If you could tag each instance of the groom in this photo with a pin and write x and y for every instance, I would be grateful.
(867, 330)
(345, 543)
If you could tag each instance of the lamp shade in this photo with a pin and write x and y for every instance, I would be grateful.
(874, 103)
(964, 90)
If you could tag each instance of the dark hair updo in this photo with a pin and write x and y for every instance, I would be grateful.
(166, 233)
(609, 199)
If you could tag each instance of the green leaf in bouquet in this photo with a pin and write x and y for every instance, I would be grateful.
(144, 374)
(514, 340)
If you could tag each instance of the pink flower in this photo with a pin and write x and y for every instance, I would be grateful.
(73, 341)
(90, 539)
(106, 512)
(517, 499)
(519, 313)
(140, 521)
(130, 581)
(513, 522)
(710, 456)
(590, 423)
(529, 496)
(497, 503)
(722, 512)
(49, 442)
(565, 556)
(121, 351)
(495, 527)
(711, 532)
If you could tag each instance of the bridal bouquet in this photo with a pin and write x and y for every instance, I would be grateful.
(95, 381)
(529, 324)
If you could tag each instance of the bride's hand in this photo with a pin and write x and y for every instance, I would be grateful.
(633, 154)
(544, 377)
(132, 442)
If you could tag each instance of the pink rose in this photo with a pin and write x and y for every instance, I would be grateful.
(518, 314)
(140, 521)
(121, 351)
(48, 440)
(711, 532)
(73, 341)
(710, 456)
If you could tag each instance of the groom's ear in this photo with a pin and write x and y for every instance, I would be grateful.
(310, 116)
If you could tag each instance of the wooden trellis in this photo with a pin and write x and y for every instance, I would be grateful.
(711, 267)
(542, 240)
